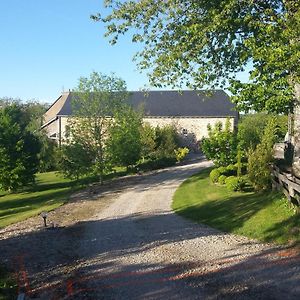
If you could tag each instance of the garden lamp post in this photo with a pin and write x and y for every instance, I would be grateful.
(44, 216)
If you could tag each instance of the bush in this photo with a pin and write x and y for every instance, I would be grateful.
(252, 126)
(147, 135)
(259, 159)
(181, 153)
(243, 168)
(166, 141)
(157, 164)
(231, 170)
(214, 175)
(221, 145)
(231, 183)
(222, 179)
(235, 183)
(222, 170)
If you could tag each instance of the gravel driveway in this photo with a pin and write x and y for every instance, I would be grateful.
(123, 241)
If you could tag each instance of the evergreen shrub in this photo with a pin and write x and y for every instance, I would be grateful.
(214, 175)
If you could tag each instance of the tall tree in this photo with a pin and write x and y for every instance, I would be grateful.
(204, 43)
(95, 102)
(48, 148)
(34, 112)
(19, 148)
(5, 101)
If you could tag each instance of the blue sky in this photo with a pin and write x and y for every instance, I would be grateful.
(46, 45)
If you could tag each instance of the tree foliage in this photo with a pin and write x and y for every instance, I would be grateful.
(147, 134)
(95, 102)
(166, 141)
(75, 159)
(48, 148)
(19, 148)
(124, 142)
(48, 152)
(221, 144)
(204, 43)
(34, 111)
(251, 129)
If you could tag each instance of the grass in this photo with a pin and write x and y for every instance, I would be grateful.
(49, 192)
(52, 190)
(264, 216)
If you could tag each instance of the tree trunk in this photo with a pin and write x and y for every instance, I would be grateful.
(296, 140)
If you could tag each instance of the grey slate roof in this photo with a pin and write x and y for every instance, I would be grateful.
(174, 104)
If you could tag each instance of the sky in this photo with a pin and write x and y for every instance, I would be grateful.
(46, 45)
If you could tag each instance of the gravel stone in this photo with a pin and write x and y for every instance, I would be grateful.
(123, 241)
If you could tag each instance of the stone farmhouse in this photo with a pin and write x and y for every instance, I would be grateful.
(189, 111)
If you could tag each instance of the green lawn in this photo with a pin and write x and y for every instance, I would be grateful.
(264, 216)
(50, 191)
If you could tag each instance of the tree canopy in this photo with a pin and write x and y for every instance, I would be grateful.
(124, 143)
(200, 43)
(19, 148)
(96, 100)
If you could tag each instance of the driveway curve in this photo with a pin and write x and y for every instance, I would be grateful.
(133, 246)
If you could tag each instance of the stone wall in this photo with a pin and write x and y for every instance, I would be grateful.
(191, 130)
(196, 126)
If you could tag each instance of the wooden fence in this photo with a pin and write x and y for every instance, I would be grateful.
(288, 183)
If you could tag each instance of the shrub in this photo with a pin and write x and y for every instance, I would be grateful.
(181, 153)
(231, 183)
(239, 163)
(166, 141)
(221, 145)
(243, 181)
(252, 126)
(147, 135)
(75, 161)
(222, 170)
(214, 175)
(259, 159)
(222, 179)
(231, 170)
(156, 164)
(235, 183)
(243, 168)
